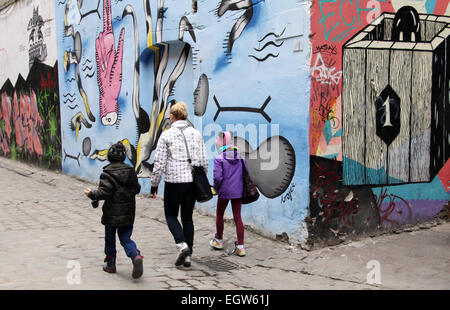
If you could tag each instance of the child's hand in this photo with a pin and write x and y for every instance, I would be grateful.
(87, 190)
(153, 192)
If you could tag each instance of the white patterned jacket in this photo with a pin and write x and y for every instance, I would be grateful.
(171, 157)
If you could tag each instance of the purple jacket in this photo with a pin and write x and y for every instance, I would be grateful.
(228, 174)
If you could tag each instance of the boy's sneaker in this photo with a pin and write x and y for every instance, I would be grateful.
(216, 243)
(138, 267)
(239, 251)
(183, 251)
(187, 261)
(110, 264)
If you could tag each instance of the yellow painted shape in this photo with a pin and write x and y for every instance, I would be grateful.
(77, 129)
(126, 143)
(85, 103)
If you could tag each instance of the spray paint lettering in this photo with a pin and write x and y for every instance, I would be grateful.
(325, 72)
(26, 119)
(47, 82)
(288, 195)
(330, 200)
(328, 49)
(392, 204)
(340, 26)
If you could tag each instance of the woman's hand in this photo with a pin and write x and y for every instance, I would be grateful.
(87, 190)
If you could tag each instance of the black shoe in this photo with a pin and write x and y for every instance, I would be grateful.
(183, 251)
(138, 267)
(110, 264)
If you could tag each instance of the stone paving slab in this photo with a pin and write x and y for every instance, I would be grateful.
(48, 229)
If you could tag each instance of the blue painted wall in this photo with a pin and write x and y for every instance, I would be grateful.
(268, 63)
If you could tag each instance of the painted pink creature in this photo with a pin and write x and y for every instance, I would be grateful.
(109, 68)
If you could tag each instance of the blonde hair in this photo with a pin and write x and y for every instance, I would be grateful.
(179, 110)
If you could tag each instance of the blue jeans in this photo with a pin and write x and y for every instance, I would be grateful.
(125, 240)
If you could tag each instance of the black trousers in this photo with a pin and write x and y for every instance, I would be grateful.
(178, 195)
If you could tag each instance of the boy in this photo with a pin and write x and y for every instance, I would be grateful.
(118, 187)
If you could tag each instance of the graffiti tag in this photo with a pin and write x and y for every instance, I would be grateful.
(328, 197)
(324, 73)
(347, 12)
(394, 205)
(48, 83)
(329, 49)
(288, 195)
(26, 118)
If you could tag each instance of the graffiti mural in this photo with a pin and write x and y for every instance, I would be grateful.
(315, 96)
(29, 89)
(379, 110)
(406, 137)
(341, 108)
(112, 93)
(29, 118)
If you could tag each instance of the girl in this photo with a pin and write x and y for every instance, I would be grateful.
(228, 185)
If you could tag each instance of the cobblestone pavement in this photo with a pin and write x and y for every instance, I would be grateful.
(49, 232)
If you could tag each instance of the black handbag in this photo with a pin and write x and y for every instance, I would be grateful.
(203, 191)
(250, 192)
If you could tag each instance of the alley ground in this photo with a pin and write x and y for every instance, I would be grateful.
(51, 238)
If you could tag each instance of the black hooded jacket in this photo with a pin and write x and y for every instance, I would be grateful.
(118, 187)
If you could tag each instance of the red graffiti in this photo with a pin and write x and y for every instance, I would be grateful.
(49, 82)
(394, 204)
(328, 197)
(26, 118)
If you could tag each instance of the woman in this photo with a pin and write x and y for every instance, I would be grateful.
(171, 157)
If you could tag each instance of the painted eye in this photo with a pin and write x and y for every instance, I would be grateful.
(109, 119)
